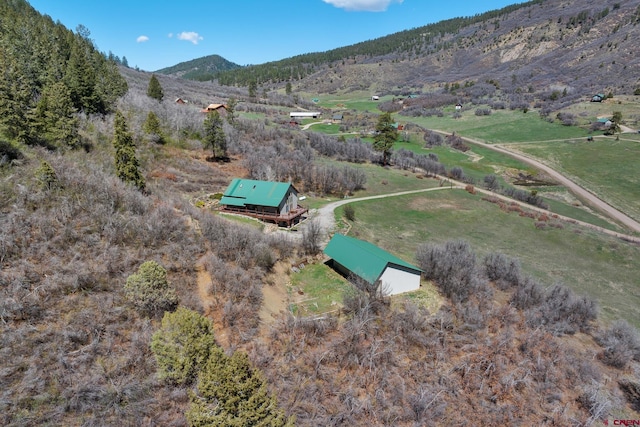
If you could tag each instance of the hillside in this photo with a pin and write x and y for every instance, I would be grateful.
(538, 45)
(82, 326)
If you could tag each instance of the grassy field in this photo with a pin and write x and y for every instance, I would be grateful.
(591, 263)
(322, 290)
(502, 126)
(605, 166)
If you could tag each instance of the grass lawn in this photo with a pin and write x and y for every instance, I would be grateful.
(591, 263)
(323, 290)
(605, 166)
(328, 128)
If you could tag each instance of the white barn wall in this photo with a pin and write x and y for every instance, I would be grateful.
(398, 281)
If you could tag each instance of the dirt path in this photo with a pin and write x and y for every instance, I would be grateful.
(587, 196)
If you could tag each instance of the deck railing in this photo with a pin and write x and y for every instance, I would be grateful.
(269, 216)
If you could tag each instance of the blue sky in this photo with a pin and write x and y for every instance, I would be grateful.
(157, 34)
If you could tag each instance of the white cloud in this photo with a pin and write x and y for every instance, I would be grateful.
(142, 39)
(363, 5)
(170, 35)
(190, 36)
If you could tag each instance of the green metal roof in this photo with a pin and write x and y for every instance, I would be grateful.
(362, 258)
(243, 192)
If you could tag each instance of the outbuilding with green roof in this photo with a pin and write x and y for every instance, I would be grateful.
(372, 264)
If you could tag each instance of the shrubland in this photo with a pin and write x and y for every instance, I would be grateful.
(127, 304)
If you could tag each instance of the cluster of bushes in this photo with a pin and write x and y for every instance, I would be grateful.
(556, 308)
(352, 150)
(409, 160)
(530, 197)
(309, 176)
(454, 269)
(483, 112)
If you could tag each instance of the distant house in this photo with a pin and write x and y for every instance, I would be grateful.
(458, 106)
(398, 126)
(316, 100)
(180, 101)
(603, 123)
(372, 264)
(305, 114)
(599, 97)
(220, 108)
(337, 118)
(266, 200)
(375, 98)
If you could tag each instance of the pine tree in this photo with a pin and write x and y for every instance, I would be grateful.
(386, 136)
(231, 393)
(127, 166)
(15, 97)
(253, 88)
(214, 137)
(46, 176)
(55, 119)
(231, 111)
(149, 291)
(80, 78)
(182, 345)
(154, 90)
(152, 127)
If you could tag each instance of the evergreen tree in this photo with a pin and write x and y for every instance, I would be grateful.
(80, 78)
(231, 111)
(182, 345)
(214, 137)
(151, 127)
(110, 86)
(253, 88)
(15, 98)
(386, 136)
(154, 90)
(125, 157)
(46, 176)
(231, 393)
(55, 119)
(616, 121)
(149, 291)
(287, 88)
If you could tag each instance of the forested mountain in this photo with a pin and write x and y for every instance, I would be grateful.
(47, 75)
(125, 299)
(202, 69)
(581, 45)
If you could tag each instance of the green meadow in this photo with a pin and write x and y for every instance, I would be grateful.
(590, 262)
(606, 166)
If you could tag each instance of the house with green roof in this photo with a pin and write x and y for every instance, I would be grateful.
(372, 264)
(267, 200)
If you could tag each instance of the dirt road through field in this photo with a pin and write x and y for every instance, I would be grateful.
(587, 196)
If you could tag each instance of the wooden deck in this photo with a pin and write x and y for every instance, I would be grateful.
(289, 219)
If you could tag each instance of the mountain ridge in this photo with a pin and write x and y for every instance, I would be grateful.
(542, 42)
